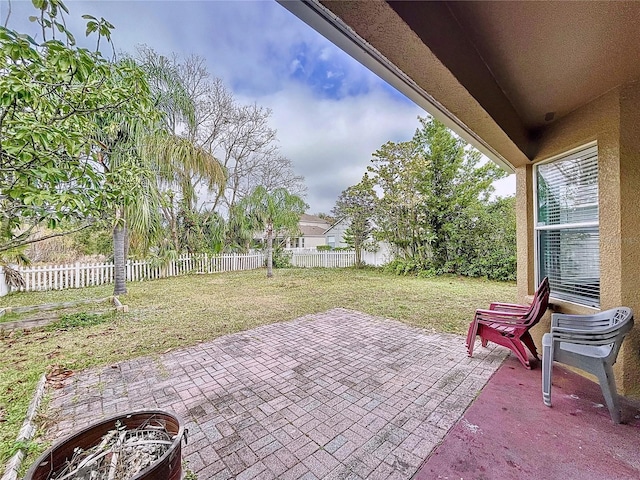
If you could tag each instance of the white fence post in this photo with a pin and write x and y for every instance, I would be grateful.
(4, 288)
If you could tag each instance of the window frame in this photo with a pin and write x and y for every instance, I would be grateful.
(564, 226)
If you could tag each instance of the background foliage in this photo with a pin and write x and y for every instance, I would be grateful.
(433, 206)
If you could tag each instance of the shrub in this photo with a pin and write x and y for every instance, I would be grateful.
(281, 258)
(403, 267)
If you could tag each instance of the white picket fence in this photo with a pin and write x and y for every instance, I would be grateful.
(323, 259)
(312, 258)
(186, 264)
(58, 277)
(78, 275)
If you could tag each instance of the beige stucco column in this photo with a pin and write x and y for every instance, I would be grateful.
(629, 233)
(524, 230)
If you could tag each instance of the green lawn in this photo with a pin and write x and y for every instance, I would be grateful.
(182, 311)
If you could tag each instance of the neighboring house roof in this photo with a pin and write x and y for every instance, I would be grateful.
(335, 224)
(312, 219)
(309, 231)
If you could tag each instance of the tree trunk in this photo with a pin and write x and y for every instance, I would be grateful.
(126, 244)
(269, 251)
(358, 250)
(119, 260)
(173, 223)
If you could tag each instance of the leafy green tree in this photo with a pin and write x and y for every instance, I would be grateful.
(204, 231)
(241, 228)
(433, 190)
(81, 136)
(453, 184)
(357, 204)
(177, 160)
(274, 213)
(399, 215)
(487, 247)
(50, 93)
(93, 241)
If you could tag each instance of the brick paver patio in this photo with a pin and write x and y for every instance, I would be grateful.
(338, 394)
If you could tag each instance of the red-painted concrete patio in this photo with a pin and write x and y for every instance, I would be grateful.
(508, 432)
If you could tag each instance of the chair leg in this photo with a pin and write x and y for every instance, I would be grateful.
(547, 368)
(609, 391)
(471, 336)
(528, 341)
(517, 348)
(469, 331)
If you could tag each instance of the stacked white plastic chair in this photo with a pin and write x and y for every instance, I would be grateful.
(590, 343)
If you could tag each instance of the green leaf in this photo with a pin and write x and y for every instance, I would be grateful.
(39, 4)
(91, 27)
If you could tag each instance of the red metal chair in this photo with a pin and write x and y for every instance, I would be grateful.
(508, 324)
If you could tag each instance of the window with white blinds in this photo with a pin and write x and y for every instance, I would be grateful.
(567, 226)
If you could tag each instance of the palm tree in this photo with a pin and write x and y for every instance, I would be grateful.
(130, 187)
(273, 212)
(178, 160)
(183, 163)
(135, 180)
(137, 151)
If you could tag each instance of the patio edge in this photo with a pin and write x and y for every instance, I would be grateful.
(27, 431)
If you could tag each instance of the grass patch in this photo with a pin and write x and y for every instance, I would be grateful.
(182, 311)
(74, 314)
(78, 320)
(18, 312)
(10, 317)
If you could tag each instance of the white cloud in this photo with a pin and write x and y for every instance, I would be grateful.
(331, 141)
(325, 54)
(295, 66)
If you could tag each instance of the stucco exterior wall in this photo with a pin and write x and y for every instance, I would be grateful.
(630, 230)
(613, 121)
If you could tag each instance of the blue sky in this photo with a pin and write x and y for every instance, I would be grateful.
(330, 112)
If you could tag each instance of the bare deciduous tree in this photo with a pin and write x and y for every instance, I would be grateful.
(239, 136)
